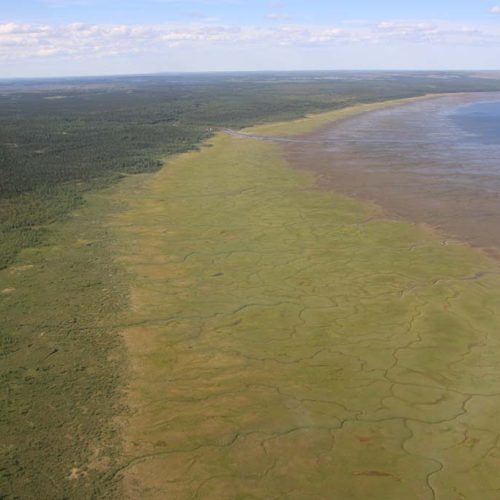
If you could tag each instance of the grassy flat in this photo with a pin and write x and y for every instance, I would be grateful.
(291, 343)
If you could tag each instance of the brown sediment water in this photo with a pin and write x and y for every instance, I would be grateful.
(416, 162)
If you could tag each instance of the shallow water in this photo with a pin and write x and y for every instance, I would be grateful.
(481, 120)
(435, 161)
(440, 136)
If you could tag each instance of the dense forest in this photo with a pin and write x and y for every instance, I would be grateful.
(60, 138)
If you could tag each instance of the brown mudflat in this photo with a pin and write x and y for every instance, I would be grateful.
(415, 163)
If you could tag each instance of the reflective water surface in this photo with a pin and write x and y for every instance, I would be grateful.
(435, 161)
(481, 120)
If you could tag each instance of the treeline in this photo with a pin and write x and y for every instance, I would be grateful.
(60, 138)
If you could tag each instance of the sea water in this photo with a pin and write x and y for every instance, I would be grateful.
(455, 135)
(480, 120)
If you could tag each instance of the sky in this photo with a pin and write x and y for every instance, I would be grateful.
(46, 38)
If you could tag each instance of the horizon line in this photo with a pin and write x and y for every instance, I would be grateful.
(222, 72)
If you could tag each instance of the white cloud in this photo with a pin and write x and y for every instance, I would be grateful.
(74, 39)
(495, 9)
(277, 16)
(19, 41)
(436, 33)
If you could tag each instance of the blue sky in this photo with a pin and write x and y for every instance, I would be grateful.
(71, 37)
(242, 11)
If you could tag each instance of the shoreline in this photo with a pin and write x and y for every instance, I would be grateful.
(310, 123)
(439, 201)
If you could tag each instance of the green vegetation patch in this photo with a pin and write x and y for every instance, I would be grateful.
(61, 364)
(295, 343)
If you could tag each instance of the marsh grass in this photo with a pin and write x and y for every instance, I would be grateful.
(290, 342)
